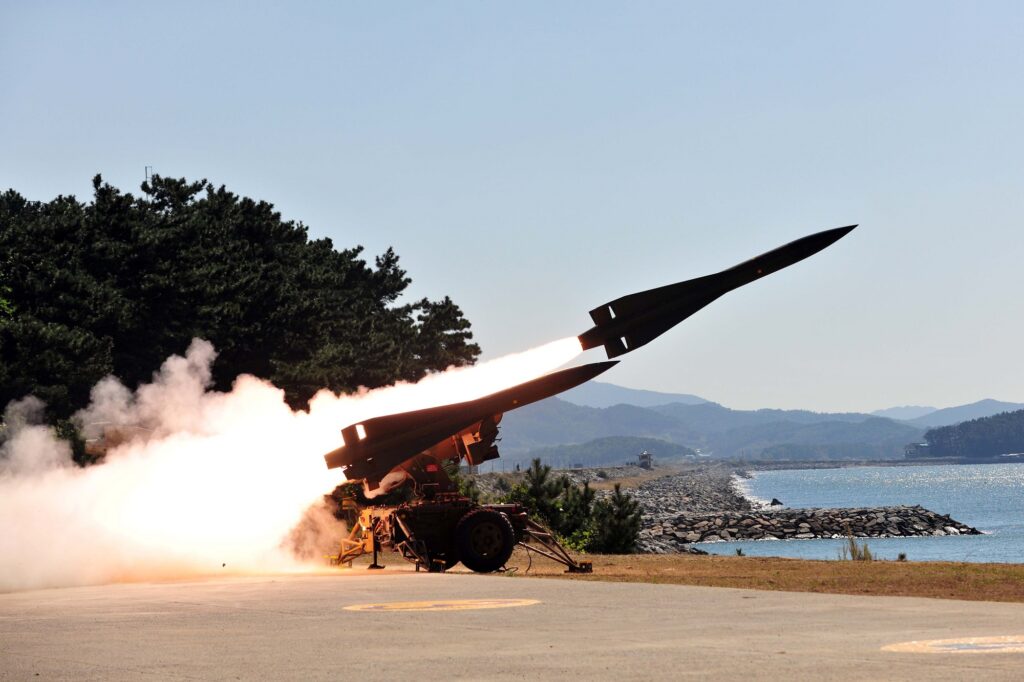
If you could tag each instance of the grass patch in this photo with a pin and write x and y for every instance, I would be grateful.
(629, 482)
(936, 579)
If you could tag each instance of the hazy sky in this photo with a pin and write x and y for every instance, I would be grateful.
(534, 160)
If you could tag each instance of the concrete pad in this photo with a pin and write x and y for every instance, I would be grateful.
(298, 627)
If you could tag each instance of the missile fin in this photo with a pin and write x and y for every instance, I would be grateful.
(602, 315)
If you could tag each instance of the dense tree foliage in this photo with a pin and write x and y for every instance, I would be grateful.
(610, 525)
(117, 284)
(979, 438)
(6, 307)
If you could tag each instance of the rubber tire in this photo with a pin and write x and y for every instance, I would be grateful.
(485, 540)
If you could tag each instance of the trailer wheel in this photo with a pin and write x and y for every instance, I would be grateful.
(485, 540)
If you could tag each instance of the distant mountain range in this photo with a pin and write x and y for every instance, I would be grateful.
(905, 412)
(603, 424)
(933, 416)
(962, 413)
(598, 394)
(712, 428)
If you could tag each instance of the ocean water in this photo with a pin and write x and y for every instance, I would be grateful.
(989, 497)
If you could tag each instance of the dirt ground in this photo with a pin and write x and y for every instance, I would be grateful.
(943, 580)
(634, 481)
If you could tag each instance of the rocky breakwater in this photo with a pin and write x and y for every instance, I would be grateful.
(702, 489)
(786, 524)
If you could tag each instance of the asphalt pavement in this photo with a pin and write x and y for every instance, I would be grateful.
(396, 624)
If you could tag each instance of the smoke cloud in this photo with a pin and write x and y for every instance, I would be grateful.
(198, 481)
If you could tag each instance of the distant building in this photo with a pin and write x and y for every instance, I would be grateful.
(916, 451)
(646, 460)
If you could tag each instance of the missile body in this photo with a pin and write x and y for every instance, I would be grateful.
(635, 320)
(376, 446)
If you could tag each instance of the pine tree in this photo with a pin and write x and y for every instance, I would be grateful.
(539, 493)
(576, 507)
(542, 491)
(616, 524)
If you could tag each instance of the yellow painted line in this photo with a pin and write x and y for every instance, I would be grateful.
(444, 605)
(1003, 644)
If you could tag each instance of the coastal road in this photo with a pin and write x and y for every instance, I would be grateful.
(348, 625)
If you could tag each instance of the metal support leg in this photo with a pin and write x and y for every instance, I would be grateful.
(376, 551)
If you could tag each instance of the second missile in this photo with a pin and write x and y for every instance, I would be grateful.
(635, 320)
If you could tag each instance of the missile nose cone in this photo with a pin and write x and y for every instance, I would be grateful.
(812, 244)
(788, 254)
(835, 234)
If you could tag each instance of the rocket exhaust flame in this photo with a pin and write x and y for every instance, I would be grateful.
(220, 484)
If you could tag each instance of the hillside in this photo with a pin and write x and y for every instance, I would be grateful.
(712, 417)
(556, 422)
(872, 438)
(983, 438)
(609, 451)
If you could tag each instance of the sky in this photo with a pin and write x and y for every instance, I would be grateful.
(535, 160)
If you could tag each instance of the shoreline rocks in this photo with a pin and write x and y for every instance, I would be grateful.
(805, 524)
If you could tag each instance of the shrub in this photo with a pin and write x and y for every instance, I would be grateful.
(853, 551)
(581, 540)
(467, 486)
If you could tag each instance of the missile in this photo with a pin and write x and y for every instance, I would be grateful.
(635, 320)
(374, 447)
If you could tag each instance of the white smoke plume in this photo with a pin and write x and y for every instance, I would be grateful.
(204, 482)
(30, 446)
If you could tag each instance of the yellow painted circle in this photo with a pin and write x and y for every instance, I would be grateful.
(1003, 644)
(444, 605)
